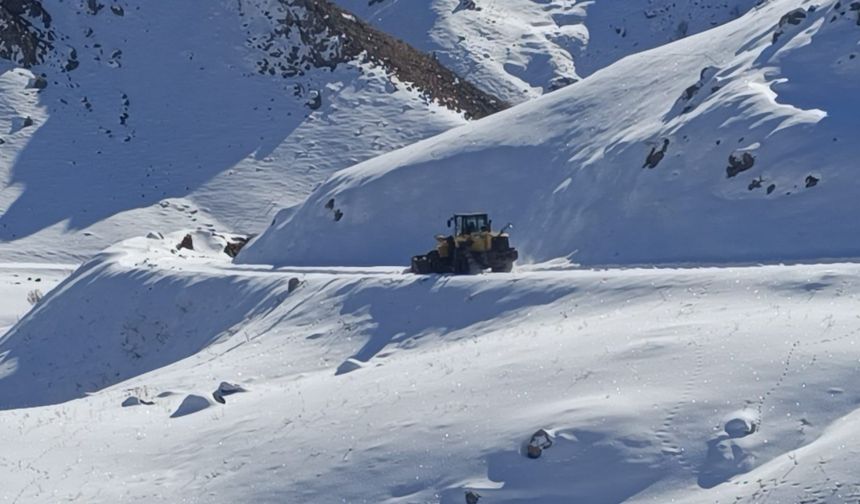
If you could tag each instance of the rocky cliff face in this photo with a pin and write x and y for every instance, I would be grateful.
(25, 32)
(308, 34)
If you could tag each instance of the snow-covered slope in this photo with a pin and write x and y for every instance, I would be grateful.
(733, 145)
(368, 385)
(519, 49)
(164, 115)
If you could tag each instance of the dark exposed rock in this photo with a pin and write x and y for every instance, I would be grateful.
(94, 6)
(293, 284)
(466, 5)
(655, 156)
(686, 101)
(26, 35)
(314, 100)
(755, 184)
(771, 188)
(38, 82)
(472, 497)
(28, 121)
(794, 17)
(561, 82)
(539, 442)
(811, 181)
(225, 389)
(338, 215)
(233, 247)
(330, 204)
(186, 243)
(739, 162)
(117, 9)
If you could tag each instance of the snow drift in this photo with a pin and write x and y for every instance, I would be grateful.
(732, 145)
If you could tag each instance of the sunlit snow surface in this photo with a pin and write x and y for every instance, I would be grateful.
(371, 385)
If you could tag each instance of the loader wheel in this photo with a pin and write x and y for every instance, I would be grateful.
(505, 268)
(421, 266)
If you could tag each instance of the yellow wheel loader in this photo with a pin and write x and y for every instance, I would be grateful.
(472, 248)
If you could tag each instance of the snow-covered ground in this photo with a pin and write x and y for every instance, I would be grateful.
(23, 285)
(371, 385)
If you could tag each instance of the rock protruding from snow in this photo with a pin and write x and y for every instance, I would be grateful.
(186, 243)
(540, 441)
(225, 389)
(739, 162)
(656, 155)
(235, 245)
(741, 424)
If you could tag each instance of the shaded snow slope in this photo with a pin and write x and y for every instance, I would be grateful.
(164, 115)
(368, 385)
(732, 145)
(519, 49)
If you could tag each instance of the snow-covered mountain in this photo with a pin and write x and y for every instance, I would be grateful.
(732, 145)
(136, 116)
(520, 49)
(314, 368)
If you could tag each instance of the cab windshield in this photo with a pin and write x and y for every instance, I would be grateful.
(467, 224)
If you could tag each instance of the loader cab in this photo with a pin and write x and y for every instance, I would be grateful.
(465, 224)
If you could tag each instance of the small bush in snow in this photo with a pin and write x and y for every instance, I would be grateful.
(34, 296)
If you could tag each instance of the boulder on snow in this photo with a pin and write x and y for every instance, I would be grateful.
(187, 243)
(293, 284)
(225, 389)
(741, 424)
(466, 5)
(739, 162)
(539, 442)
(314, 100)
(472, 497)
(19, 123)
(233, 247)
(655, 156)
(793, 18)
(191, 404)
(93, 6)
(154, 235)
(38, 82)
